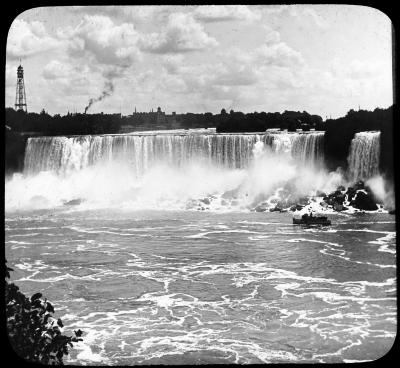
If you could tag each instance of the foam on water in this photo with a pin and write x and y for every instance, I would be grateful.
(239, 323)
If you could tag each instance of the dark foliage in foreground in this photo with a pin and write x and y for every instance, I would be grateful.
(33, 332)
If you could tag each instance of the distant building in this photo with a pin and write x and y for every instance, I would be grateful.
(160, 120)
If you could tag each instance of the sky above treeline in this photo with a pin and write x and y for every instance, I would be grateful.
(323, 59)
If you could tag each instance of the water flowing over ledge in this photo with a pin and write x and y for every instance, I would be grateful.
(141, 151)
(364, 155)
(184, 169)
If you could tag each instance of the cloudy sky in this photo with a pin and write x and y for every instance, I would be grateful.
(322, 59)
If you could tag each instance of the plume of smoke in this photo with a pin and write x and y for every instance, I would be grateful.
(107, 91)
(110, 73)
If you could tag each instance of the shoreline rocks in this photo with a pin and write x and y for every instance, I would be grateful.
(356, 198)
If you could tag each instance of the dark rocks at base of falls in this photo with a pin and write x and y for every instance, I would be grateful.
(297, 207)
(279, 207)
(205, 200)
(358, 196)
(261, 207)
(335, 200)
(319, 193)
(364, 201)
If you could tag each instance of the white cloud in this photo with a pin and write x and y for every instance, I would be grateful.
(272, 66)
(359, 69)
(265, 71)
(272, 37)
(181, 34)
(173, 63)
(219, 13)
(28, 38)
(69, 79)
(278, 54)
(136, 13)
(236, 75)
(98, 37)
(316, 18)
(303, 15)
(11, 74)
(56, 70)
(143, 13)
(205, 76)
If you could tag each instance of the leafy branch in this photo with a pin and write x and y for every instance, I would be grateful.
(33, 331)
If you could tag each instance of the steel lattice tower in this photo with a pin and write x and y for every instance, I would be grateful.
(20, 97)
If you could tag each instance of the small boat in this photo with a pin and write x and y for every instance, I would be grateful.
(311, 220)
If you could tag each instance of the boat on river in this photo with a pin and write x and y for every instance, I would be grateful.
(309, 219)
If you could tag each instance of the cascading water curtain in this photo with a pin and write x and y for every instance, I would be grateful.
(364, 155)
(61, 155)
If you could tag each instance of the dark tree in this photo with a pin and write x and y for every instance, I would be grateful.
(33, 332)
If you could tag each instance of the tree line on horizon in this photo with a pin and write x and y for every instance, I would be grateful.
(234, 121)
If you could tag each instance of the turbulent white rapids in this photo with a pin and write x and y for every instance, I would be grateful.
(364, 155)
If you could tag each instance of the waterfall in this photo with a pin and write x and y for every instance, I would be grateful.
(65, 154)
(364, 154)
(309, 148)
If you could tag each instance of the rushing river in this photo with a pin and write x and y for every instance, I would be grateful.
(190, 287)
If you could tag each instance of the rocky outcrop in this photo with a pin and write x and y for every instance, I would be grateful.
(205, 200)
(297, 207)
(335, 199)
(261, 207)
(364, 201)
(350, 193)
(358, 196)
(277, 209)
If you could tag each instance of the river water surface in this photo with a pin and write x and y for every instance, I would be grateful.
(188, 287)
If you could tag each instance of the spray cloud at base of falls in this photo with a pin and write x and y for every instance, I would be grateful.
(172, 170)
